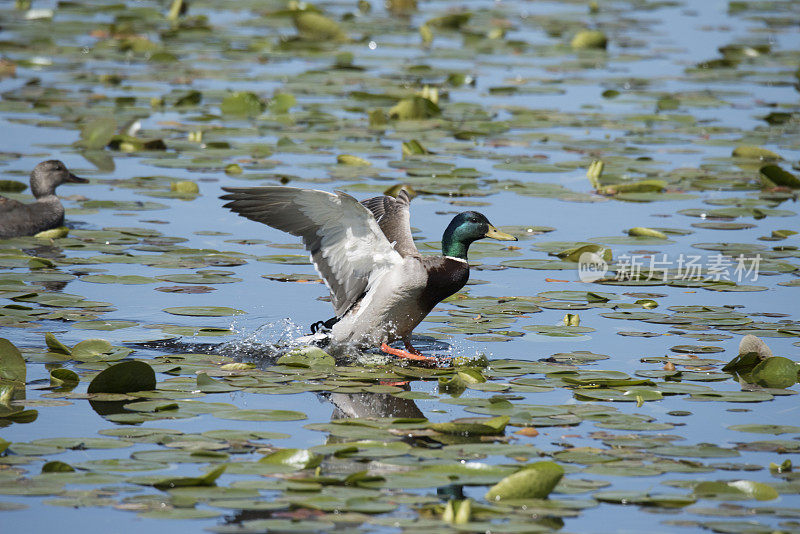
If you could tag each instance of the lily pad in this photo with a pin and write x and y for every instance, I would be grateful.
(124, 377)
(204, 311)
(12, 364)
(534, 481)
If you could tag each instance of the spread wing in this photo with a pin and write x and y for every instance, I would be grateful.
(346, 244)
(394, 218)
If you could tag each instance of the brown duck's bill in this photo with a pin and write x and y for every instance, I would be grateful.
(494, 233)
(76, 179)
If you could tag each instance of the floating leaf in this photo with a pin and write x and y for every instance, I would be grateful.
(316, 27)
(12, 364)
(97, 133)
(307, 357)
(414, 148)
(184, 186)
(91, 349)
(737, 489)
(646, 232)
(242, 103)
(54, 345)
(641, 186)
(206, 384)
(457, 512)
(12, 186)
(534, 481)
(451, 21)
(53, 233)
(282, 103)
(355, 161)
(261, 415)
(123, 378)
(208, 479)
(775, 372)
(296, 458)
(777, 176)
(474, 426)
(56, 466)
(204, 311)
(414, 108)
(63, 378)
(753, 152)
(589, 39)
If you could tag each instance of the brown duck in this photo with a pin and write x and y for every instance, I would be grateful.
(19, 219)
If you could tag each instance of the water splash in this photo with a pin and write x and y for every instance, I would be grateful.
(266, 344)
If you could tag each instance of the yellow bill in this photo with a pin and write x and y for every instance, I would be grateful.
(494, 233)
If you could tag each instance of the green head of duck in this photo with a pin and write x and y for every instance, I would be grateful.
(466, 227)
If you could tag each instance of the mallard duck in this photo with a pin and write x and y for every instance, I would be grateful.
(381, 286)
(18, 219)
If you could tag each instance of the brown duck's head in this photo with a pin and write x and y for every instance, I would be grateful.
(48, 175)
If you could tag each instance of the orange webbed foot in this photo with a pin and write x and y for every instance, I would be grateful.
(412, 354)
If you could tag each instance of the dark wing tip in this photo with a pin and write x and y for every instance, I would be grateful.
(404, 197)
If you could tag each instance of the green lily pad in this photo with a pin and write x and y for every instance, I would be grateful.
(130, 279)
(206, 384)
(209, 479)
(589, 39)
(63, 378)
(295, 458)
(307, 357)
(243, 103)
(204, 311)
(777, 176)
(261, 415)
(775, 372)
(534, 481)
(124, 377)
(91, 349)
(736, 489)
(414, 108)
(12, 364)
(97, 133)
(476, 426)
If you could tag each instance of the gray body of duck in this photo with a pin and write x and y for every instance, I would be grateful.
(381, 286)
(19, 219)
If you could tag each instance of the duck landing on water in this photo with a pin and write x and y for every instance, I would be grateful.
(381, 286)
